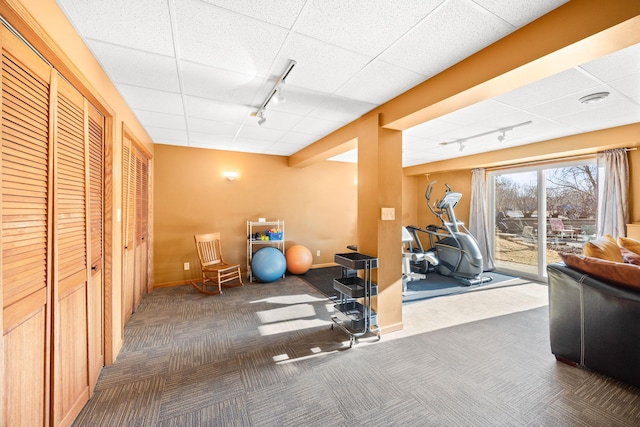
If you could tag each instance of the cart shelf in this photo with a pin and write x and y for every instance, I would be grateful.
(353, 312)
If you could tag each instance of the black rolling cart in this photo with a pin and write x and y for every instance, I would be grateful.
(352, 311)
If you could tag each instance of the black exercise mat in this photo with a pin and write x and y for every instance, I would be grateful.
(435, 285)
(322, 279)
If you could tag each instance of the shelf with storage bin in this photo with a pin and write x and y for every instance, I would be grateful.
(261, 234)
(353, 312)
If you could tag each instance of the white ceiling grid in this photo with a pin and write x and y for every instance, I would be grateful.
(193, 71)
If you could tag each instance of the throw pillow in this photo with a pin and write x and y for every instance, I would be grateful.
(628, 243)
(607, 271)
(604, 247)
(630, 257)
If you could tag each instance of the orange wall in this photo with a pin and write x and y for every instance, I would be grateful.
(191, 196)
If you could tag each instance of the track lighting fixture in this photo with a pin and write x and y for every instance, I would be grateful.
(278, 97)
(275, 93)
(501, 137)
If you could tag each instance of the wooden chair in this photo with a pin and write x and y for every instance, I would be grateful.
(214, 269)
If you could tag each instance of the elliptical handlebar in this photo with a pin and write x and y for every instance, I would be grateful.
(427, 195)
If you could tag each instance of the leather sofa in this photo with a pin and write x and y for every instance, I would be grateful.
(594, 323)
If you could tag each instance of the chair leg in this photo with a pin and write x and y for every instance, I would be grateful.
(203, 288)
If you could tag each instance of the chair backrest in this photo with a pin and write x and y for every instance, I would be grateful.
(208, 246)
(556, 224)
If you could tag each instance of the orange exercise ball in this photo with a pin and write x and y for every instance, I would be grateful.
(299, 259)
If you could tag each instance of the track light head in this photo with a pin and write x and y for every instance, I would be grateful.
(261, 117)
(278, 97)
(502, 136)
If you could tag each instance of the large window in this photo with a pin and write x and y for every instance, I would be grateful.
(541, 211)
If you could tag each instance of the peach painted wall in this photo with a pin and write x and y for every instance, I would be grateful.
(318, 204)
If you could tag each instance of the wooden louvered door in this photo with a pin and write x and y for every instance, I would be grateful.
(70, 373)
(135, 226)
(25, 241)
(141, 221)
(51, 287)
(95, 131)
(128, 224)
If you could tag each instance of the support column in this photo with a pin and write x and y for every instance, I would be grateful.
(380, 186)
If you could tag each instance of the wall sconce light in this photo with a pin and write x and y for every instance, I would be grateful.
(231, 175)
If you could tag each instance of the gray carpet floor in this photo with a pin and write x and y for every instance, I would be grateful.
(264, 355)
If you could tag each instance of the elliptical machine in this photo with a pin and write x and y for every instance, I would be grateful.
(455, 249)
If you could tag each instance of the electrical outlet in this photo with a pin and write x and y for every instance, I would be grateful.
(186, 266)
(317, 253)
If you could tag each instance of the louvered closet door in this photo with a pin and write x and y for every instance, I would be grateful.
(25, 236)
(70, 296)
(140, 283)
(135, 226)
(128, 224)
(95, 136)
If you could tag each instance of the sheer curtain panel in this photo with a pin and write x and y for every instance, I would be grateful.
(478, 217)
(613, 203)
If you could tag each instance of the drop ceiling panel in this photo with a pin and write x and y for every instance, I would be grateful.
(284, 149)
(379, 82)
(213, 128)
(215, 37)
(321, 66)
(282, 12)
(220, 85)
(520, 12)
(316, 126)
(299, 138)
(616, 65)
(215, 110)
(341, 109)
(629, 86)
(454, 31)
(260, 133)
(559, 85)
(300, 101)
(139, 25)
(276, 120)
(351, 25)
(137, 68)
(166, 134)
(152, 100)
(614, 113)
(161, 120)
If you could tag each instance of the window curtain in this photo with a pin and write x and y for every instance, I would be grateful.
(613, 203)
(478, 225)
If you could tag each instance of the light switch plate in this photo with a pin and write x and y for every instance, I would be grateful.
(388, 214)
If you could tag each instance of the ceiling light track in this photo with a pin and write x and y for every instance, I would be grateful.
(502, 131)
(275, 93)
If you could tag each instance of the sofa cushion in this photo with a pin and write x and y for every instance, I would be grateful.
(608, 271)
(630, 257)
(631, 244)
(604, 247)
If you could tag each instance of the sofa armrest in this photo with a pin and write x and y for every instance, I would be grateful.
(594, 323)
(565, 312)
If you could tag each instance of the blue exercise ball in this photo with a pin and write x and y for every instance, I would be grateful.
(268, 264)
